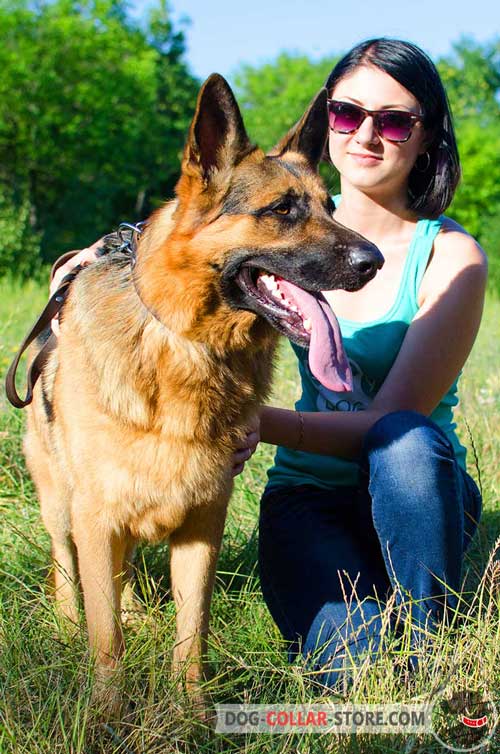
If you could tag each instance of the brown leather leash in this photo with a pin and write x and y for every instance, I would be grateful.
(124, 240)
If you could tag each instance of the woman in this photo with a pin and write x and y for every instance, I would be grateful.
(366, 490)
(388, 504)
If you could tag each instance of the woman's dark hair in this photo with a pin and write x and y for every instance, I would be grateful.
(431, 188)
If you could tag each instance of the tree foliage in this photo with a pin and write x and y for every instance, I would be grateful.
(471, 75)
(94, 109)
(272, 97)
(472, 79)
(19, 241)
(93, 114)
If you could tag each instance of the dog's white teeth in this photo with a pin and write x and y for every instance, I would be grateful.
(307, 325)
(272, 285)
(269, 281)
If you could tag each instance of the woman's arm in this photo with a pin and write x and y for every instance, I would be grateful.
(340, 433)
(433, 352)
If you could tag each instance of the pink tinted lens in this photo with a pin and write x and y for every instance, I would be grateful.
(394, 126)
(345, 118)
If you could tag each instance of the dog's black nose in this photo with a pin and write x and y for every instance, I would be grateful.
(366, 260)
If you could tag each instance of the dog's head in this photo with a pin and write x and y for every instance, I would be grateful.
(252, 240)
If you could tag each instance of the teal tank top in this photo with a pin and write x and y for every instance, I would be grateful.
(371, 348)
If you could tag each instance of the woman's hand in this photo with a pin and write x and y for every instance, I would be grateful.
(247, 448)
(82, 258)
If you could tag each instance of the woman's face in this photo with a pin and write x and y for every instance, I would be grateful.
(364, 159)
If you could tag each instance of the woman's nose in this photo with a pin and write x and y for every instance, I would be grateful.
(366, 133)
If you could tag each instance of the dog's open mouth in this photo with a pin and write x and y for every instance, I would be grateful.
(306, 318)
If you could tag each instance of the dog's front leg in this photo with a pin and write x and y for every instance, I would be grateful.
(101, 553)
(194, 549)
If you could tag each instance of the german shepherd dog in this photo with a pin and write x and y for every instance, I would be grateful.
(160, 367)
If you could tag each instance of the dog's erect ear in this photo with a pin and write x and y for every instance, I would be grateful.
(308, 136)
(217, 136)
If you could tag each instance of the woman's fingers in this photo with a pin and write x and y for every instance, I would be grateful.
(83, 258)
(237, 469)
(242, 455)
(54, 324)
(253, 439)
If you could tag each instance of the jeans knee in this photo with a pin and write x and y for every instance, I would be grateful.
(410, 464)
(415, 493)
(404, 442)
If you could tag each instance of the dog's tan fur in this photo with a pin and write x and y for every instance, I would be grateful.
(156, 376)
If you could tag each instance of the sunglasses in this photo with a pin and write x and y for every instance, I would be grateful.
(392, 125)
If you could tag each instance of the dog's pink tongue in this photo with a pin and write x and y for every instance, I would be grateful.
(327, 359)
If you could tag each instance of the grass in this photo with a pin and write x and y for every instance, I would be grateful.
(46, 675)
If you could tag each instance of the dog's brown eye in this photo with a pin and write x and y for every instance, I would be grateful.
(282, 209)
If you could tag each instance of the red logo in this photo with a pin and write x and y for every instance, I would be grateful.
(474, 722)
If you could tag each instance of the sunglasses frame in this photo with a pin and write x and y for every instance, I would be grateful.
(375, 114)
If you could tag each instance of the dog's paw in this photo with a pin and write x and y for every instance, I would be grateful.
(197, 701)
(107, 693)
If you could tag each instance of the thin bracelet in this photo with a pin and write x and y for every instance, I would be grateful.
(301, 431)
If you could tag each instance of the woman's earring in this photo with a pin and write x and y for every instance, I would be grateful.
(423, 168)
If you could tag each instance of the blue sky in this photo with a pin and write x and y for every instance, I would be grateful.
(223, 33)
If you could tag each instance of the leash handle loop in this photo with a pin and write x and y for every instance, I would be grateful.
(53, 306)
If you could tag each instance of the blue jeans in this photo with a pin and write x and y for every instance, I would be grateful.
(405, 528)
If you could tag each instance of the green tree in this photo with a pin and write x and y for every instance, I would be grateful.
(19, 242)
(478, 195)
(93, 113)
(273, 97)
(471, 75)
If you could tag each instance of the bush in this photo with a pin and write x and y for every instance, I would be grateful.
(490, 239)
(19, 242)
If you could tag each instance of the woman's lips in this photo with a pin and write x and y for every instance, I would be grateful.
(365, 159)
